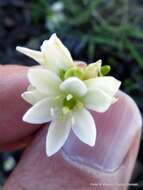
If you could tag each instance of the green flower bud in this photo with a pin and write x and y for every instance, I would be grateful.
(105, 69)
(74, 71)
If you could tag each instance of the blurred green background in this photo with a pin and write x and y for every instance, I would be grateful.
(111, 30)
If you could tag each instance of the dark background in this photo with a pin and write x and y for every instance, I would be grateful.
(111, 30)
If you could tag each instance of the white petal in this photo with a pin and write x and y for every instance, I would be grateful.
(108, 84)
(44, 80)
(84, 126)
(97, 100)
(93, 69)
(36, 55)
(74, 86)
(40, 112)
(57, 135)
(56, 54)
(60, 46)
(33, 96)
(96, 64)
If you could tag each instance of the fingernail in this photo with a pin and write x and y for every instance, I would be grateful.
(116, 130)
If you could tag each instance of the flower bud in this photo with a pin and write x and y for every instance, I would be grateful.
(105, 69)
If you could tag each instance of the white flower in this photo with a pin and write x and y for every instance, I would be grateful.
(62, 93)
(53, 55)
(65, 103)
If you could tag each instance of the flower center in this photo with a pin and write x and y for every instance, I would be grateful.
(69, 101)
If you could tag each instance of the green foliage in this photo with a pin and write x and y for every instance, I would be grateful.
(99, 24)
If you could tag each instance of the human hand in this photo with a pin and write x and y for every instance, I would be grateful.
(107, 166)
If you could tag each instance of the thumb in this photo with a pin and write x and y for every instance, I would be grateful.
(108, 165)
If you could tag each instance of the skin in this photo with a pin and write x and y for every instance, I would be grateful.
(35, 170)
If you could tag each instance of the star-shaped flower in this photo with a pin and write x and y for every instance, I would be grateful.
(63, 93)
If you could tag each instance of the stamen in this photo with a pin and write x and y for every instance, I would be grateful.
(57, 97)
(69, 97)
(65, 110)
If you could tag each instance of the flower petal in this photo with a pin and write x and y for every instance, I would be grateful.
(41, 112)
(97, 100)
(33, 96)
(74, 86)
(108, 84)
(36, 55)
(93, 69)
(84, 126)
(57, 135)
(44, 80)
(56, 55)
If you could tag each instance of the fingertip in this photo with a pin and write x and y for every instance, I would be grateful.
(13, 82)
